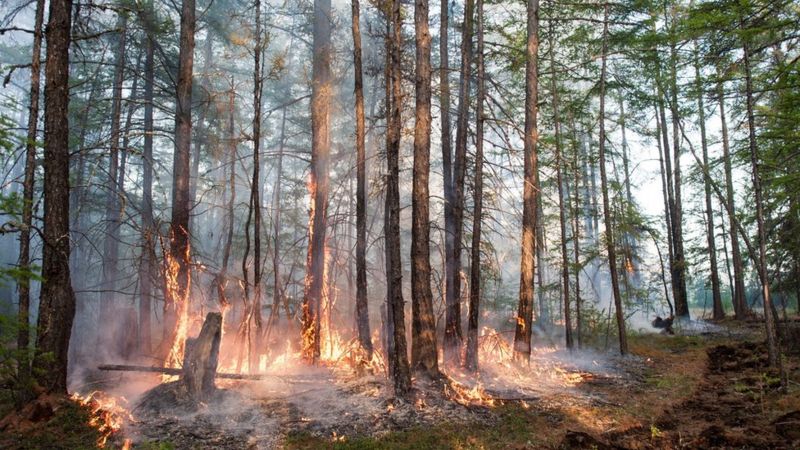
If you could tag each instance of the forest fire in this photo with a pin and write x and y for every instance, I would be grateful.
(108, 414)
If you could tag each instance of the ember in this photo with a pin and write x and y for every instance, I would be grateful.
(108, 414)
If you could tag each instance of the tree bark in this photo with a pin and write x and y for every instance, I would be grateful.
(112, 207)
(176, 305)
(773, 345)
(319, 178)
(57, 299)
(609, 231)
(471, 355)
(452, 332)
(718, 312)
(148, 226)
(424, 356)
(740, 307)
(362, 305)
(522, 333)
(23, 285)
(447, 162)
(562, 207)
(394, 273)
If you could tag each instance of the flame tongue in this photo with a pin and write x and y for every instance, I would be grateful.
(107, 414)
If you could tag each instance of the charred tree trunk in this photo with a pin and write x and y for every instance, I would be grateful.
(362, 305)
(471, 355)
(576, 240)
(23, 285)
(562, 207)
(447, 156)
(200, 131)
(522, 334)
(176, 304)
(277, 295)
(609, 238)
(424, 356)
(665, 188)
(318, 182)
(57, 299)
(255, 185)
(718, 313)
(394, 273)
(740, 308)
(452, 331)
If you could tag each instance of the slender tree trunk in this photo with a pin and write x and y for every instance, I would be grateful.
(319, 178)
(201, 133)
(394, 273)
(424, 356)
(57, 299)
(773, 345)
(452, 331)
(522, 333)
(277, 298)
(609, 237)
(447, 162)
(718, 312)
(176, 305)
(740, 308)
(148, 228)
(112, 212)
(576, 239)
(562, 207)
(679, 275)
(471, 356)
(23, 285)
(362, 305)
(255, 186)
(665, 187)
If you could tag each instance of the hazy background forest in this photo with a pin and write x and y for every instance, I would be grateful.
(646, 152)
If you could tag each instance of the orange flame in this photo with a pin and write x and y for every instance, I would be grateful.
(107, 414)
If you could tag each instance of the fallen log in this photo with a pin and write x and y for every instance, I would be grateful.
(175, 371)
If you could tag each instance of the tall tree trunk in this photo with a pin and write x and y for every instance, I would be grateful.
(452, 331)
(471, 355)
(562, 207)
(609, 237)
(773, 345)
(319, 178)
(362, 305)
(201, 133)
(57, 299)
(255, 185)
(394, 273)
(447, 158)
(112, 207)
(23, 285)
(679, 275)
(424, 356)
(576, 233)
(176, 306)
(277, 296)
(522, 332)
(665, 188)
(148, 227)
(718, 312)
(740, 308)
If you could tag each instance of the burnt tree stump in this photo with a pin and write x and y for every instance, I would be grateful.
(201, 357)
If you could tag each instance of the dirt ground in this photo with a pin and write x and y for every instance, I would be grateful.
(702, 388)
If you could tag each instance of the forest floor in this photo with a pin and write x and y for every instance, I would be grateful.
(705, 388)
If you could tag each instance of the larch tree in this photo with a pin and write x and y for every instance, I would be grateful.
(362, 306)
(178, 263)
(424, 356)
(318, 183)
(522, 332)
(56, 298)
(473, 313)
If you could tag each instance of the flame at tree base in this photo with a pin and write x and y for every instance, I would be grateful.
(107, 414)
